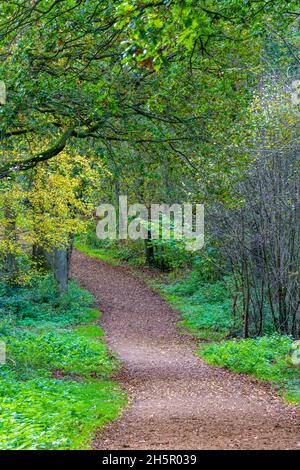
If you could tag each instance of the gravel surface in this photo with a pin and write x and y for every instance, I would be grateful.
(176, 400)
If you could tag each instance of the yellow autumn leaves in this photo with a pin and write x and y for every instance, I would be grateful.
(48, 205)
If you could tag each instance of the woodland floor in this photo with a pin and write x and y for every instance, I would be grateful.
(176, 400)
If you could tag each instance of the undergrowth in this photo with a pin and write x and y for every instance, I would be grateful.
(205, 308)
(266, 358)
(39, 304)
(55, 387)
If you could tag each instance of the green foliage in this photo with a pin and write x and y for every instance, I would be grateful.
(38, 304)
(156, 92)
(207, 321)
(207, 265)
(114, 253)
(205, 308)
(64, 350)
(266, 357)
(37, 410)
(170, 254)
(54, 414)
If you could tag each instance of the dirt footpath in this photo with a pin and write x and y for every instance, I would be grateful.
(176, 400)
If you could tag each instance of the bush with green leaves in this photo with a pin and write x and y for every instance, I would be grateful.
(207, 264)
(170, 254)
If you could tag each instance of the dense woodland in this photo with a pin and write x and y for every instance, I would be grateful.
(190, 101)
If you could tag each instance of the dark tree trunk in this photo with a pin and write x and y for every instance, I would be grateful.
(149, 250)
(10, 263)
(41, 258)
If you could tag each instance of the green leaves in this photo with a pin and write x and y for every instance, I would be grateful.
(265, 357)
(70, 64)
(38, 411)
(63, 350)
(54, 414)
(38, 305)
(205, 308)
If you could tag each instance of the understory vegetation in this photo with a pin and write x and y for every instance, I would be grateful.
(55, 387)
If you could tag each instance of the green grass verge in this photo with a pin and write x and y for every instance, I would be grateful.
(105, 254)
(38, 410)
(114, 255)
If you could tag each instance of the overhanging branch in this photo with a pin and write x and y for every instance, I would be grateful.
(31, 162)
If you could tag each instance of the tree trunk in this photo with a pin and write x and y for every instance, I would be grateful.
(61, 269)
(149, 250)
(61, 266)
(42, 259)
(10, 263)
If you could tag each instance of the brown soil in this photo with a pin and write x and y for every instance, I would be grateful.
(176, 401)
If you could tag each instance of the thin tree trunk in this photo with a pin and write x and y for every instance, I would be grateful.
(60, 269)
(10, 263)
(149, 249)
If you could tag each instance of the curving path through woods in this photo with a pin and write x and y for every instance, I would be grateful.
(176, 401)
